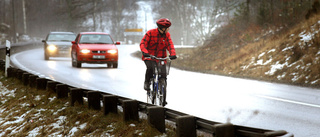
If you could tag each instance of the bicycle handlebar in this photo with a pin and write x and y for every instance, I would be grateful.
(154, 57)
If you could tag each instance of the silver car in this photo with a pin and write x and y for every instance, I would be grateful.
(58, 44)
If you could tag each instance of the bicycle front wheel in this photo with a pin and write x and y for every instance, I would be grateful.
(154, 92)
(162, 92)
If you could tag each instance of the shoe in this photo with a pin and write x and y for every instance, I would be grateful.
(147, 86)
(165, 103)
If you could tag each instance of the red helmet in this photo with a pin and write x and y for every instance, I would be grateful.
(163, 23)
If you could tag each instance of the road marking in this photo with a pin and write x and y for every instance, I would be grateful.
(20, 66)
(289, 101)
(16, 62)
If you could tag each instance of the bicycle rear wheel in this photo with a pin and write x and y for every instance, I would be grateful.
(162, 92)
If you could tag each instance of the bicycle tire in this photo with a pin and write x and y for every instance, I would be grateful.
(153, 92)
(163, 92)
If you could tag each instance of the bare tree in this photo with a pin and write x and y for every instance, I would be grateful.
(195, 20)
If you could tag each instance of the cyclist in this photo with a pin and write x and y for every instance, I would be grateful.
(156, 42)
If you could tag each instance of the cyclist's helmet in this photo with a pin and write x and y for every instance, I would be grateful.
(163, 23)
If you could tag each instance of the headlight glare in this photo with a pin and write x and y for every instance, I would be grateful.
(85, 51)
(52, 48)
(112, 51)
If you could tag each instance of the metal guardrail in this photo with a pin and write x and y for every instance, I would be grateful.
(186, 125)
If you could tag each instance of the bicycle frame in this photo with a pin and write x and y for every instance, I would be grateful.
(155, 80)
(158, 91)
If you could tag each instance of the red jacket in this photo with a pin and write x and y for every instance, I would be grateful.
(154, 44)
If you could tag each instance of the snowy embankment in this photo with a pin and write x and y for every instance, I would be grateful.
(15, 122)
(296, 59)
(26, 111)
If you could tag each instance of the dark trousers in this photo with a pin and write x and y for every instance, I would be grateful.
(149, 72)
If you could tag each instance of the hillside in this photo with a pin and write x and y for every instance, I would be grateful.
(288, 55)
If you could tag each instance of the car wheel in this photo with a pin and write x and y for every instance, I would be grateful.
(75, 62)
(46, 56)
(109, 65)
(78, 64)
(115, 65)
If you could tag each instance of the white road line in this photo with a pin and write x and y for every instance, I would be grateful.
(289, 101)
(17, 63)
(20, 66)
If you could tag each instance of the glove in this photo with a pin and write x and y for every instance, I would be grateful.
(145, 54)
(173, 57)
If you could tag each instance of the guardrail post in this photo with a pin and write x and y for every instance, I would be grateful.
(41, 83)
(32, 80)
(156, 118)
(186, 126)
(25, 78)
(11, 72)
(130, 110)
(7, 64)
(76, 96)
(110, 104)
(94, 100)
(51, 86)
(62, 90)
(19, 74)
(224, 130)
(3, 65)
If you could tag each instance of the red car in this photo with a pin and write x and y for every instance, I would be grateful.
(96, 48)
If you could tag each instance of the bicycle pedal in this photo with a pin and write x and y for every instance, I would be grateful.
(148, 93)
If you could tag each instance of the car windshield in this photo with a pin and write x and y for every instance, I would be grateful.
(96, 39)
(61, 37)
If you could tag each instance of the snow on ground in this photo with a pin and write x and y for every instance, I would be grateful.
(5, 92)
(17, 123)
(19, 120)
(300, 66)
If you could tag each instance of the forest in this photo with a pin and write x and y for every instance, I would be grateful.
(194, 22)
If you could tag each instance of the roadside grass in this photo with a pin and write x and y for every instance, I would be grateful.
(27, 111)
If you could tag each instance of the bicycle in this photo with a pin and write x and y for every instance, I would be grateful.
(158, 86)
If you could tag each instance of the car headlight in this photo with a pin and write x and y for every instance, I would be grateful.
(85, 51)
(112, 51)
(52, 48)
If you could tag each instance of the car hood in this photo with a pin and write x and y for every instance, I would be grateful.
(97, 46)
(60, 43)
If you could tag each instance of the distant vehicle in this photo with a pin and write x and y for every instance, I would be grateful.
(58, 44)
(24, 38)
(96, 48)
